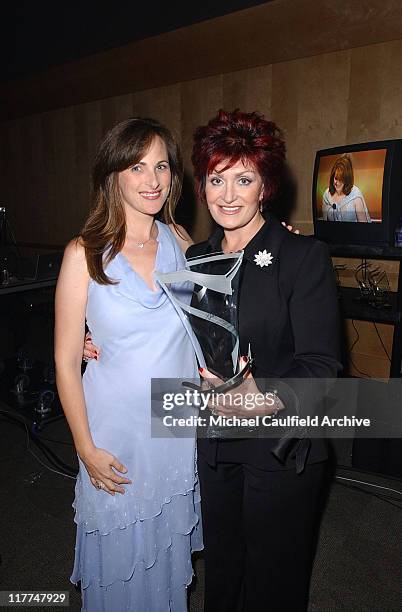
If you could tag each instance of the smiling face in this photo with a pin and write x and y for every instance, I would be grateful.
(145, 186)
(234, 195)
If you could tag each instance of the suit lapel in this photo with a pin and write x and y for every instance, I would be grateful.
(263, 250)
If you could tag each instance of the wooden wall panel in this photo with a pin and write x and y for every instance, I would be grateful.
(375, 104)
(365, 94)
(390, 115)
(286, 82)
(84, 143)
(30, 178)
(323, 113)
(94, 128)
(52, 206)
(200, 100)
(6, 163)
(248, 90)
(108, 114)
(34, 204)
(89, 132)
(163, 104)
(309, 102)
(123, 107)
(269, 33)
(319, 101)
(18, 188)
(66, 168)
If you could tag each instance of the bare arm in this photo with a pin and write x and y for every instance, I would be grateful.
(325, 206)
(71, 299)
(360, 211)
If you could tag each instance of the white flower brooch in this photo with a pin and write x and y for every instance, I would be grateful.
(262, 258)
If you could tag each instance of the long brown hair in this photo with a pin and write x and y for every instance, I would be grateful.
(105, 228)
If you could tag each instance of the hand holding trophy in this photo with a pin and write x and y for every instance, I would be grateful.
(245, 400)
(213, 317)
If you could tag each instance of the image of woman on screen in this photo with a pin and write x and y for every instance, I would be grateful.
(342, 200)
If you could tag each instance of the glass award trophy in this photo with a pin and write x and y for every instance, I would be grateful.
(213, 317)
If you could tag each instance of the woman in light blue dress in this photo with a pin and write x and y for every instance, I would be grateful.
(342, 200)
(350, 207)
(137, 504)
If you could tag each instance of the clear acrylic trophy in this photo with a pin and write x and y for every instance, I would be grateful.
(213, 317)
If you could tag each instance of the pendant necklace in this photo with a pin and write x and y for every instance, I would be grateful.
(140, 245)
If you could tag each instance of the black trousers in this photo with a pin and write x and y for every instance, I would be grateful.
(259, 536)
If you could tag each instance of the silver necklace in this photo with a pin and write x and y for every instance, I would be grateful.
(140, 245)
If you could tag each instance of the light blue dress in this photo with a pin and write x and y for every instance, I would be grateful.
(345, 210)
(133, 551)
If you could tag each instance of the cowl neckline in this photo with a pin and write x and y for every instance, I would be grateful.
(131, 285)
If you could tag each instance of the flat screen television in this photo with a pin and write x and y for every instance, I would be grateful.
(357, 193)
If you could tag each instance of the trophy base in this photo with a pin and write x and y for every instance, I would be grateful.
(229, 384)
(217, 431)
(224, 432)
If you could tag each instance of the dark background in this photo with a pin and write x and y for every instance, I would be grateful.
(37, 35)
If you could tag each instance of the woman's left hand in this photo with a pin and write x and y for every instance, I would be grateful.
(246, 400)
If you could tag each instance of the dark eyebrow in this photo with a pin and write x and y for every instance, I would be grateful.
(237, 174)
(162, 161)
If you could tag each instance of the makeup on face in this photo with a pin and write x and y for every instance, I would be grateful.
(145, 186)
(234, 194)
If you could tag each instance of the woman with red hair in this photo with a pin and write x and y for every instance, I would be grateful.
(342, 200)
(259, 500)
(260, 497)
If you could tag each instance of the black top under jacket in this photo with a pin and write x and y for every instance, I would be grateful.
(288, 312)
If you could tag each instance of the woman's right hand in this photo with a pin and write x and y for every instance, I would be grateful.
(102, 467)
(90, 350)
(290, 228)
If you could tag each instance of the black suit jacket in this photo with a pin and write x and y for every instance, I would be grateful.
(288, 312)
